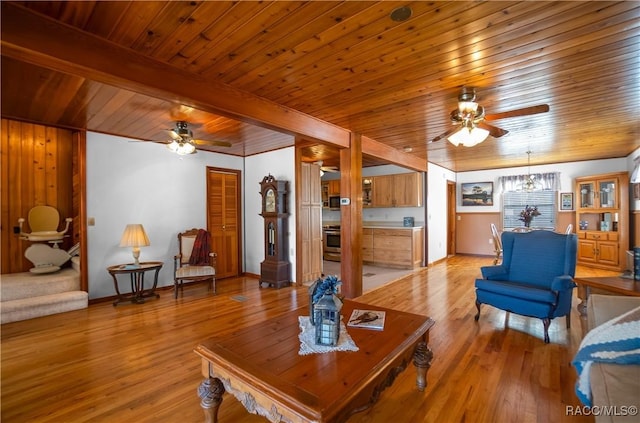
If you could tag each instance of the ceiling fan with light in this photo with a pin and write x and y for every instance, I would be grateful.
(329, 169)
(469, 118)
(182, 141)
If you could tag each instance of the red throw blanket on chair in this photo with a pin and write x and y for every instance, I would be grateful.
(200, 252)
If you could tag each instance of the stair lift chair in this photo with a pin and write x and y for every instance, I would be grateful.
(43, 222)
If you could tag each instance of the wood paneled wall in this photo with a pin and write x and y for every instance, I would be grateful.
(37, 169)
(635, 229)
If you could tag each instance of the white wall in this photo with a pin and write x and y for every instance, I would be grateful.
(568, 172)
(280, 164)
(142, 182)
(437, 211)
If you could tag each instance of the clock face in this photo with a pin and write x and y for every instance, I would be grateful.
(270, 201)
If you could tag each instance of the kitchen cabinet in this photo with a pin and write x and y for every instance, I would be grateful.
(393, 247)
(367, 245)
(367, 192)
(329, 189)
(333, 186)
(407, 190)
(383, 192)
(398, 190)
(602, 220)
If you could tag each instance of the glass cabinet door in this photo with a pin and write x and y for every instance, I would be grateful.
(587, 194)
(367, 192)
(607, 189)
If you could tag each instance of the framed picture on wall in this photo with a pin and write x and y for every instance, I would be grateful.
(477, 193)
(566, 201)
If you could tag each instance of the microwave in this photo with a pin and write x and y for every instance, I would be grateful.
(334, 202)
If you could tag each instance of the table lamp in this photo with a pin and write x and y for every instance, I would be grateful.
(134, 236)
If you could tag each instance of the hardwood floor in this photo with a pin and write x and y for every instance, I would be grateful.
(136, 362)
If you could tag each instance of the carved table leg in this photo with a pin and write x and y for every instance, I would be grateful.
(422, 357)
(210, 392)
(583, 294)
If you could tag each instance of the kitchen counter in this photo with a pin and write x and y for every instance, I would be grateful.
(388, 244)
(378, 225)
(389, 225)
(392, 245)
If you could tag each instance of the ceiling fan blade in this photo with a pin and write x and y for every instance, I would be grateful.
(446, 134)
(532, 110)
(494, 131)
(330, 169)
(174, 135)
(214, 143)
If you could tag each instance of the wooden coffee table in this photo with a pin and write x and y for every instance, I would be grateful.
(261, 367)
(607, 285)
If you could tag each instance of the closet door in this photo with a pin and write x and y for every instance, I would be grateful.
(223, 211)
(310, 223)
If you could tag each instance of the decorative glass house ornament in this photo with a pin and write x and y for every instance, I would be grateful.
(326, 316)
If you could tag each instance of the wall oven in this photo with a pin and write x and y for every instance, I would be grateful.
(331, 243)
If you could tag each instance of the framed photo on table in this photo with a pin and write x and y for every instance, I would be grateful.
(566, 201)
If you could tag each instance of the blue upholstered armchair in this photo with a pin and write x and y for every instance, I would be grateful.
(535, 278)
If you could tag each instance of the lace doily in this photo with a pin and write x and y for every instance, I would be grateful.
(308, 343)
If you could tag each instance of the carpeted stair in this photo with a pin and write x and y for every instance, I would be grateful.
(28, 295)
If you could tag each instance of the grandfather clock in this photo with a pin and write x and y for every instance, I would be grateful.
(275, 269)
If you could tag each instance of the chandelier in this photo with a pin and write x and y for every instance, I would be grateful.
(530, 183)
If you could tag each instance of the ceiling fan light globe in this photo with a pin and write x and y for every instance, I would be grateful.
(173, 146)
(185, 148)
(456, 137)
(468, 137)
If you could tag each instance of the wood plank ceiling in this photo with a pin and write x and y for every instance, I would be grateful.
(348, 64)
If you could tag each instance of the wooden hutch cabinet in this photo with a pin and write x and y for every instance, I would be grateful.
(602, 220)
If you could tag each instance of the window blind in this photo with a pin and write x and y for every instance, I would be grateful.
(514, 202)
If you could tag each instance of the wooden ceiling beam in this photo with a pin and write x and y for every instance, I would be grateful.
(36, 39)
(377, 149)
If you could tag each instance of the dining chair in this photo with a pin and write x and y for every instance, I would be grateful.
(497, 243)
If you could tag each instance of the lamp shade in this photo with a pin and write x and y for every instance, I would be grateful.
(134, 236)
